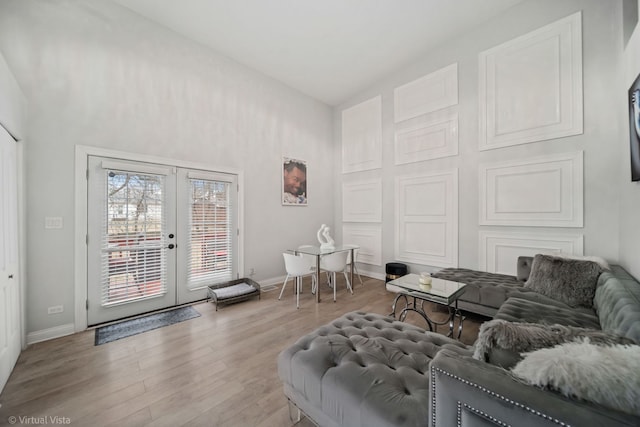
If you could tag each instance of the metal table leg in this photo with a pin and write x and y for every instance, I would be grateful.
(353, 261)
(395, 301)
(317, 278)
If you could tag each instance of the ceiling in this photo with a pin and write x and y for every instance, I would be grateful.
(328, 49)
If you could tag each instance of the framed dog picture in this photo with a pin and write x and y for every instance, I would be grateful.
(294, 182)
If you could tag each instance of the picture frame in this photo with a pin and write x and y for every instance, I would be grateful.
(634, 128)
(294, 182)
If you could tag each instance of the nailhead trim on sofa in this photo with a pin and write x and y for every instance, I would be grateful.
(486, 391)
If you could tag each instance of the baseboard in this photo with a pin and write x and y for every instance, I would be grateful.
(272, 281)
(372, 274)
(51, 333)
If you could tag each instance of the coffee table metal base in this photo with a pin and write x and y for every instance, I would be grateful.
(417, 305)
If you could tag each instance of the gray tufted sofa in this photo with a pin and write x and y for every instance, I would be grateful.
(485, 292)
(466, 391)
(369, 370)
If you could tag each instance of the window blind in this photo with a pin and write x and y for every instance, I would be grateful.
(210, 252)
(133, 238)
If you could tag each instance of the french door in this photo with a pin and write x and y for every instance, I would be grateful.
(158, 235)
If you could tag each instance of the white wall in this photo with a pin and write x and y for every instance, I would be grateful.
(602, 140)
(630, 191)
(96, 74)
(13, 107)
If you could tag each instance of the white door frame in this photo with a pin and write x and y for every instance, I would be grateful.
(80, 223)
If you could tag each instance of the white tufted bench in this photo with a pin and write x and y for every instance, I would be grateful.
(363, 369)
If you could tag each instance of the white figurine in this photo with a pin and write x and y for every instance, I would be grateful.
(326, 242)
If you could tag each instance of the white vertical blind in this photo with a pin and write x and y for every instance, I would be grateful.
(210, 252)
(133, 238)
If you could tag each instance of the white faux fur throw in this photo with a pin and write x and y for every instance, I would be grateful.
(608, 375)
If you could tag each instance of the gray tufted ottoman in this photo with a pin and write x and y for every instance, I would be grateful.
(363, 369)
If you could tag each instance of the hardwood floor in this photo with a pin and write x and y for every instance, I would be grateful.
(216, 370)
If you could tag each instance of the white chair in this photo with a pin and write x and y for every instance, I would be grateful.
(335, 263)
(297, 267)
(355, 266)
(311, 259)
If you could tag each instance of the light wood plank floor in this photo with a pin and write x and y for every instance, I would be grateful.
(216, 370)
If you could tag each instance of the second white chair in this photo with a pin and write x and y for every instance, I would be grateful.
(297, 267)
(335, 263)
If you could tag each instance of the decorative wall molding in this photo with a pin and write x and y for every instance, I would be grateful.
(426, 219)
(530, 88)
(429, 93)
(362, 136)
(368, 237)
(435, 138)
(541, 191)
(499, 252)
(362, 201)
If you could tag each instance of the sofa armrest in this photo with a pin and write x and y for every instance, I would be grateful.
(468, 392)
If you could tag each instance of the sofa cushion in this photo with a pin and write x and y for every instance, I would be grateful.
(501, 342)
(617, 303)
(529, 310)
(364, 370)
(607, 375)
(570, 281)
(487, 289)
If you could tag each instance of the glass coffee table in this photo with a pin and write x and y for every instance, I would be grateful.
(443, 292)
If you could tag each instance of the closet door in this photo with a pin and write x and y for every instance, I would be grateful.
(9, 283)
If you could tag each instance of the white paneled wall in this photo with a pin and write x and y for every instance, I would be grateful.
(362, 201)
(432, 92)
(506, 120)
(433, 138)
(369, 238)
(426, 219)
(540, 191)
(499, 251)
(531, 87)
(362, 136)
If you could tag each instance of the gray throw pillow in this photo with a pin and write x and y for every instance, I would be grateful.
(609, 376)
(570, 281)
(501, 342)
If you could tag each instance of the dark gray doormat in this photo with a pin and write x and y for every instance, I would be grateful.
(131, 327)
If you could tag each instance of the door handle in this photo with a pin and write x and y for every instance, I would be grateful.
(11, 276)
(171, 246)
